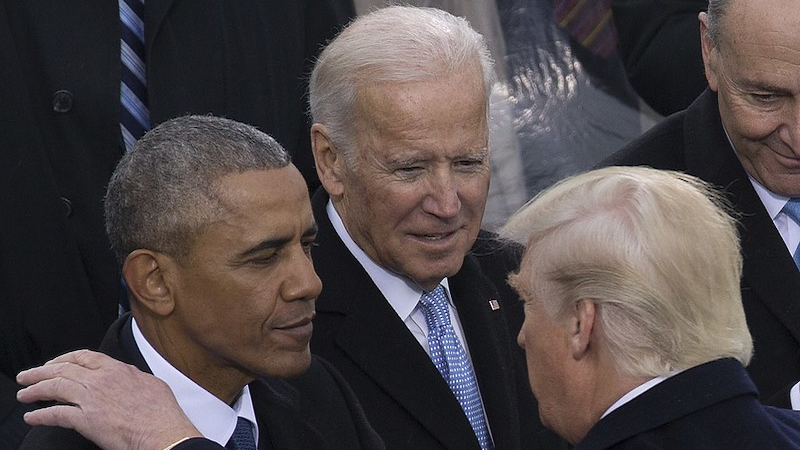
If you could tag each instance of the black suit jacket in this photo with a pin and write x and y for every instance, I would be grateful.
(694, 141)
(711, 406)
(314, 411)
(406, 399)
(659, 42)
(60, 138)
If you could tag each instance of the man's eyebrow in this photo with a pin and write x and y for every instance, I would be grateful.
(311, 231)
(265, 245)
(756, 85)
(278, 242)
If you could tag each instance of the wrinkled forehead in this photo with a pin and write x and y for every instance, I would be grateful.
(752, 21)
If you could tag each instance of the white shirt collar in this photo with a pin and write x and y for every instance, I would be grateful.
(774, 203)
(633, 393)
(212, 417)
(401, 293)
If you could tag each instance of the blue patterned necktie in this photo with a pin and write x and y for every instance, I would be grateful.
(134, 115)
(242, 437)
(451, 360)
(792, 209)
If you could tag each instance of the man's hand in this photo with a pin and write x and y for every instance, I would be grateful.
(113, 404)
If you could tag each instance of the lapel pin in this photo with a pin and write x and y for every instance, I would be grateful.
(494, 304)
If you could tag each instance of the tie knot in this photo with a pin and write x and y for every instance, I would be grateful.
(242, 437)
(792, 209)
(434, 305)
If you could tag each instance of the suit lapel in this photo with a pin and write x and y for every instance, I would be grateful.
(488, 340)
(769, 270)
(119, 343)
(280, 423)
(377, 341)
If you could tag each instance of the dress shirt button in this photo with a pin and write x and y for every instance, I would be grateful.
(62, 101)
(66, 206)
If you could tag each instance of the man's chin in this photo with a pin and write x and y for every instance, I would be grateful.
(292, 365)
(432, 275)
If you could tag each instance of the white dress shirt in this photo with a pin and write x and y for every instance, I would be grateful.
(774, 203)
(790, 232)
(401, 293)
(211, 416)
(633, 393)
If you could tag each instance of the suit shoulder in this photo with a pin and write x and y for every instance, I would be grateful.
(321, 387)
(662, 147)
(787, 420)
(328, 404)
(56, 438)
(495, 256)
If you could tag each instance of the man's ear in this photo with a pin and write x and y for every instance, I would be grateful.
(583, 323)
(145, 273)
(711, 55)
(328, 159)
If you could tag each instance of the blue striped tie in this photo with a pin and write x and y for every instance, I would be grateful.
(134, 117)
(451, 360)
(792, 209)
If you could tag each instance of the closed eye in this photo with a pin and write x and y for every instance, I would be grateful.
(765, 98)
(409, 171)
(264, 260)
(469, 164)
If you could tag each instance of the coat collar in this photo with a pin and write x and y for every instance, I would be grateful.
(769, 270)
(376, 340)
(692, 390)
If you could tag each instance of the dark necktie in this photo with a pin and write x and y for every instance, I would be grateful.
(242, 437)
(590, 22)
(792, 209)
(450, 358)
(134, 115)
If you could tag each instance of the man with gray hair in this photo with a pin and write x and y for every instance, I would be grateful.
(634, 328)
(415, 312)
(213, 226)
(743, 133)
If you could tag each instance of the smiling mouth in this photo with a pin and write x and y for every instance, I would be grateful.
(297, 324)
(434, 237)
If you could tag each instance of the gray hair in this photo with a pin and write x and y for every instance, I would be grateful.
(163, 191)
(392, 44)
(658, 251)
(716, 13)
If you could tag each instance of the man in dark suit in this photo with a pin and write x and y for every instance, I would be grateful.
(634, 328)
(399, 101)
(214, 226)
(60, 140)
(743, 135)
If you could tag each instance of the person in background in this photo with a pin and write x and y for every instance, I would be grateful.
(659, 43)
(61, 66)
(213, 227)
(634, 328)
(742, 134)
(415, 313)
